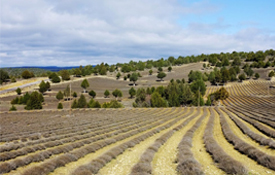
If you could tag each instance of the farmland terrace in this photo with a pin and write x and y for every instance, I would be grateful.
(236, 137)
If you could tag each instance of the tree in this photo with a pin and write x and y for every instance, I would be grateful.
(150, 72)
(27, 74)
(92, 93)
(34, 102)
(95, 104)
(161, 75)
(117, 93)
(186, 95)
(212, 78)
(82, 103)
(59, 106)
(84, 85)
(64, 74)
(74, 94)
(42, 87)
(225, 75)
(74, 105)
(118, 75)
(13, 80)
(3, 76)
(132, 92)
(242, 77)
(221, 94)
(134, 78)
(157, 100)
(106, 93)
(198, 85)
(48, 86)
(59, 96)
(169, 69)
(13, 108)
(67, 92)
(18, 91)
(55, 78)
(271, 74)
(257, 75)
(125, 78)
(249, 72)
(208, 102)
(160, 69)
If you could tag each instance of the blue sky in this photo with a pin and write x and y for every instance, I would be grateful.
(72, 33)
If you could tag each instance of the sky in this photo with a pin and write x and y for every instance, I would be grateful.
(89, 32)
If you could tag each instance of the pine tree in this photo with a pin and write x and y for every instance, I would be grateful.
(82, 103)
(84, 85)
(106, 93)
(60, 106)
(132, 92)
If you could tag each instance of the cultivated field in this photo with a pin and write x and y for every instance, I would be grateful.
(237, 137)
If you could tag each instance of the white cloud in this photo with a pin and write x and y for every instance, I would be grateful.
(71, 33)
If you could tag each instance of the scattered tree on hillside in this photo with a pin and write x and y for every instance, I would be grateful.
(35, 101)
(67, 92)
(242, 77)
(169, 69)
(3, 76)
(134, 78)
(118, 75)
(117, 93)
(271, 74)
(74, 94)
(132, 92)
(65, 75)
(18, 91)
(249, 72)
(92, 93)
(27, 74)
(13, 108)
(42, 87)
(84, 85)
(48, 86)
(106, 93)
(257, 75)
(82, 103)
(59, 96)
(161, 75)
(59, 106)
(160, 69)
(150, 72)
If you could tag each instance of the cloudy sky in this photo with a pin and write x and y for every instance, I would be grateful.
(82, 32)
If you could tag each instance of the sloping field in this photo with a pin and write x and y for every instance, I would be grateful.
(237, 138)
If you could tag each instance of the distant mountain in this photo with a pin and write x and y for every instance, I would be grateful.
(47, 68)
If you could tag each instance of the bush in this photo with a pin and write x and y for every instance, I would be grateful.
(13, 108)
(92, 93)
(74, 94)
(60, 106)
(35, 101)
(27, 74)
(112, 104)
(106, 93)
(18, 91)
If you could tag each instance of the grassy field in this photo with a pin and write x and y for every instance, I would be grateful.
(237, 137)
